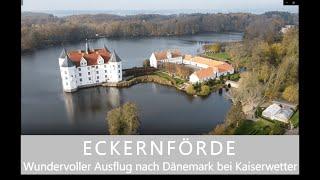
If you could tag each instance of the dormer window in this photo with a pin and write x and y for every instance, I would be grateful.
(83, 62)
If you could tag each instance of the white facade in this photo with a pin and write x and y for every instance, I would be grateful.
(224, 73)
(157, 58)
(193, 78)
(187, 62)
(83, 75)
(154, 62)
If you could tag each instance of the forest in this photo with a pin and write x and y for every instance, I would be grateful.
(272, 62)
(42, 30)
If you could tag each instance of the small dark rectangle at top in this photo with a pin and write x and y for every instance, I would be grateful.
(291, 2)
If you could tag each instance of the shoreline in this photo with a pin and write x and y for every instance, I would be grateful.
(158, 80)
(28, 51)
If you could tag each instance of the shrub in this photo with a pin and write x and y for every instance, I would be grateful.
(190, 89)
(277, 129)
(258, 112)
(123, 120)
(291, 93)
(146, 63)
(205, 90)
(234, 77)
(220, 129)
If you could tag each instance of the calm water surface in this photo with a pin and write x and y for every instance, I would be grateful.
(46, 109)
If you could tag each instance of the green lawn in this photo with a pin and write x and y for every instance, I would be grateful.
(221, 55)
(179, 81)
(175, 80)
(295, 119)
(260, 127)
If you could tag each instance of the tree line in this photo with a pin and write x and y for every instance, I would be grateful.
(42, 30)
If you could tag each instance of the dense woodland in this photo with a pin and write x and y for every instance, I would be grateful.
(272, 61)
(42, 30)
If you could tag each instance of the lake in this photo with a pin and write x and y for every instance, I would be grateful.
(46, 109)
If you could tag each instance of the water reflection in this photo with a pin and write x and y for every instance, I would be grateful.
(90, 101)
(113, 97)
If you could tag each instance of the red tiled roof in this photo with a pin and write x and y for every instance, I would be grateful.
(91, 57)
(176, 53)
(205, 73)
(224, 67)
(161, 55)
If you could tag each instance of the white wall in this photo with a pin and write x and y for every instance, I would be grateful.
(194, 78)
(74, 77)
(153, 61)
(115, 72)
(69, 79)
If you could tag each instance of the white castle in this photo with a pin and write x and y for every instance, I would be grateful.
(89, 68)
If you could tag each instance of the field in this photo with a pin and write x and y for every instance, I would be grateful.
(259, 127)
(218, 56)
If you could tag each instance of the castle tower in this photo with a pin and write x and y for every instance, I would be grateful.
(105, 47)
(116, 67)
(68, 72)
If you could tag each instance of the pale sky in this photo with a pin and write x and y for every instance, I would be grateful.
(223, 5)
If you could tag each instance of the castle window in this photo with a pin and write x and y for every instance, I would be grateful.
(66, 78)
(79, 74)
(96, 67)
(80, 79)
(119, 76)
(105, 76)
(88, 68)
(79, 69)
(65, 72)
(118, 71)
(118, 66)
(105, 71)
(105, 66)
(89, 79)
(88, 73)
(97, 77)
(97, 72)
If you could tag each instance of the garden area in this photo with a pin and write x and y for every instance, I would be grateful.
(205, 88)
(217, 56)
(259, 127)
(295, 119)
(216, 51)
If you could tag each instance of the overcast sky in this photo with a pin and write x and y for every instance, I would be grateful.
(224, 5)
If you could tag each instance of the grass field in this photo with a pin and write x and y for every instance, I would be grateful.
(175, 80)
(259, 127)
(221, 55)
(295, 119)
